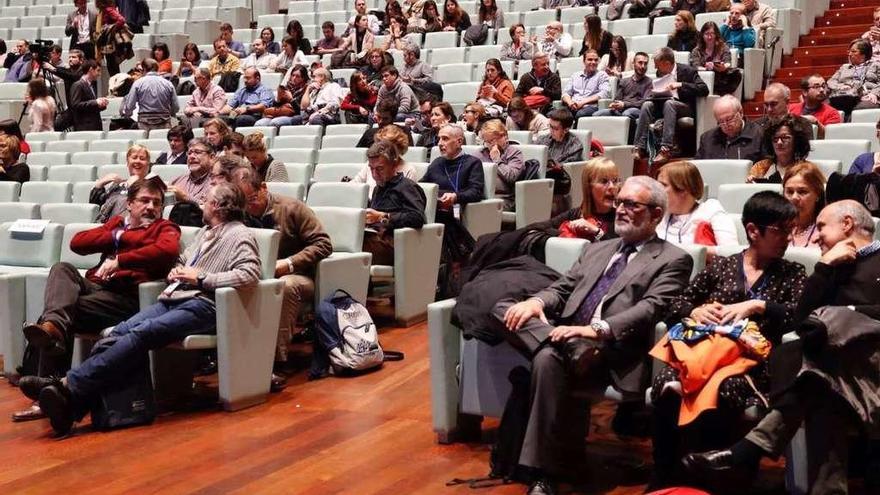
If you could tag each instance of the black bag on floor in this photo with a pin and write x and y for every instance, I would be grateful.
(128, 402)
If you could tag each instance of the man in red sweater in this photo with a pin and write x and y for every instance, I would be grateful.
(135, 247)
(814, 107)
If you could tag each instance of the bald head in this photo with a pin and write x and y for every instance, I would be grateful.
(776, 99)
(844, 221)
(728, 115)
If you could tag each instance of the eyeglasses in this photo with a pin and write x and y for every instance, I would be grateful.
(148, 201)
(818, 86)
(196, 151)
(786, 231)
(630, 205)
(469, 110)
(729, 120)
(784, 139)
(608, 181)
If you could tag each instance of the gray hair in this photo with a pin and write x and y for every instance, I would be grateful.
(230, 201)
(779, 88)
(202, 142)
(654, 187)
(539, 56)
(664, 54)
(729, 100)
(204, 72)
(455, 130)
(861, 217)
(414, 49)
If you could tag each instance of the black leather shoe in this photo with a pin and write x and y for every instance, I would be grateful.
(32, 385)
(581, 355)
(55, 402)
(713, 461)
(278, 383)
(542, 486)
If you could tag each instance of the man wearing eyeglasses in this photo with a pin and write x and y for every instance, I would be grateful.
(592, 327)
(135, 247)
(733, 138)
(194, 185)
(814, 104)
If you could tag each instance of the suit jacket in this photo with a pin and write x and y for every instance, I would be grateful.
(84, 107)
(692, 86)
(71, 31)
(163, 159)
(634, 304)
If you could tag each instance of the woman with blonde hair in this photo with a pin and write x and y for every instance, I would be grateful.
(804, 187)
(684, 36)
(11, 170)
(472, 118)
(111, 191)
(689, 219)
(270, 169)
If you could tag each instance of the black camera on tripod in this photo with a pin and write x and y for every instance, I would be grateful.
(41, 50)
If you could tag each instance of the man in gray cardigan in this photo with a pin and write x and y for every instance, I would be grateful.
(394, 89)
(223, 254)
(592, 327)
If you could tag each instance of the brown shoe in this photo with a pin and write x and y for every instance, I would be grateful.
(46, 336)
(638, 154)
(661, 158)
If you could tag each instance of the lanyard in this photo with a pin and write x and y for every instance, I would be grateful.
(457, 175)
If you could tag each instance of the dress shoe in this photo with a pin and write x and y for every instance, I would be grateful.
(29, 414)
(31, 386)
(45, 336)
(581, 355)
(661, 158)
(713, 461)
(542, 486)
(278, 383)
(55, 401)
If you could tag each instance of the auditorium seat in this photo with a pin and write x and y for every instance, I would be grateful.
(334, 172)
(296, 190)
(717, 172)
(348, 268)
(67, 213)
(484, 217)
(341, 194)
(9, 191)
(734, 196)
(12, 211)
(72, 173)
(45, 192)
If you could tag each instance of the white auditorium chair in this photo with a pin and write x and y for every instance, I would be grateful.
(845, 150)
(342, 155)
(45, 192)
(67, 213)
(313, 141)
(334, 172)
(348, 268)
(296, 190)
(302, 130)
(95, 157)
(344, 129)
(72, 173)
(300, 172)
(9, 191)
(734, 196)
(484, 217)
(117, 145)
(340, 141)
(341, 194)
(828, 167)
(12, 211)
(717, 172)
(49, 158)
(69, 146)
(866, 131)
(294, 155)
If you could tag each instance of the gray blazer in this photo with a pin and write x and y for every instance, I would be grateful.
(69, 30)
(635, 303)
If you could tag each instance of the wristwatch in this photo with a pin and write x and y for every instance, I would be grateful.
(386, 218)
(200, 279)
(602, 329)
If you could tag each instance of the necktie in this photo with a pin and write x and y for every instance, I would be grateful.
(584, 313)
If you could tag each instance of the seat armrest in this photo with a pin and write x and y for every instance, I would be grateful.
(483, 217)
(444, 345)
(148, 292)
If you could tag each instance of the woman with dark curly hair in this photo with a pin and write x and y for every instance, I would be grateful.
(790, 143)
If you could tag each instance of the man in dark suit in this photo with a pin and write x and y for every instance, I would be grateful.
(676, 99)
(84, 103)
(178, 137)
(593, 326)
(80, 26)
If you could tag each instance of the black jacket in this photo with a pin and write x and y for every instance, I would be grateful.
(692, 87)
(469, 180)
(163, 159)
(403, 199)
(84, 107)
(749, 145)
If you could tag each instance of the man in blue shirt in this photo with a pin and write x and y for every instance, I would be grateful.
(248, 103)
(736, 32)
(18, 71)
(236, 48)
(582, 93)
(154, 97)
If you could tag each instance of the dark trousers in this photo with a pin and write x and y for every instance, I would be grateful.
(88, 49)
(72, 302)
(670, 112)
(381, 246)
(246, 120)
(558, 419)
(155, 327)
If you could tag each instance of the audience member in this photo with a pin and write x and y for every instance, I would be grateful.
(632, 92)
(562, 145)
(330, 43)
(385, 115)
(111, 191)
(85, 105)
(153, 96)
(594, 324)
(135, 246)
(178, 138)
(224, 62)
(41, 106)
(190, 61)
(788, 143)
(684, 37)
(867, 162)
(496, 90)
(358, 104)
(674, 96)
(194, 186)
(303, 244)
(813, 105)
(766, 290)
(223, 254)
(734, 137)
(267, 34)
(235, 48)
(713, 54)
(582, 92)
(373, 24)
(19, 70)
(473, 117)
(688, 220)
(21, 47)
(490, 15)
(216, 132)
(776, 102)
(289, 57)
(111, 21)
(259, 58)
(761, 17)
(846, 267)
(441, 114)
(392, 10)
(519, 47)
(296, 83)
(233, 144)
(736, 30)
(418, 74)
(856, 85)
(539, 87)
(357, 45)
(396, 38)
(80, 27)
(431, 21)
(595, 37)
(508, 160)
(268, 168)
(376, 61)
(11, 169)
(804, 187)
(401, 140)
(520, 117)
(162, 55)
(393, 89)
(454, 17)
(396, 202)
(69, 74)
(248, 103)
(873, 35)
(556, 43)
(321, 100)
(282, 108)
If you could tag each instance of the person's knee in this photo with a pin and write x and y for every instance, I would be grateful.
(546, 359)
(62, 267)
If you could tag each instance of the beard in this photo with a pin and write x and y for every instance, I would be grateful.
(630, 232)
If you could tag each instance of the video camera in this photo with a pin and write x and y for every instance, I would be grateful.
(41, 50)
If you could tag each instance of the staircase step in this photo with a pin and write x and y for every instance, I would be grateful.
(812, 51)
(855, 30)
(841, 18)
(828, 39)
(789, 61)
(846, 4)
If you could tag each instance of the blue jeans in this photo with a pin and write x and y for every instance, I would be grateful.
(632, 113)
(280, 121)
(586, 111)
(159, 325)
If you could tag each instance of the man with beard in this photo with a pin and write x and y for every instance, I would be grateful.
(814, 106)
(135, 247)
(592, 327)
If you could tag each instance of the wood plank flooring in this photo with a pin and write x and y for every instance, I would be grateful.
(365, 435)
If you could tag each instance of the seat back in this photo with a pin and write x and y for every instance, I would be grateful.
(169, 172)
(79, 261)
(115, 145)
(94, 157)
(294, 155)
(334, 172)
(432, 192)
(45, 192)
(12, 211)
(345, 129)
(345, 226)
(561, 253)
(9, 191)
(698, 254)
(807, 256)
(610, 131)
(295, 190)
(734, 196)
(828, 167)
(42, 250)
(48, 158)
(861, 131)
(845, 150)
(338, 141)
(342, 194)
(68, 145)
(717, 172)
(72, 173)
(342, 155)
(67, 213)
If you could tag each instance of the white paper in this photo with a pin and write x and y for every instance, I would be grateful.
(29, 226)
(661, 83)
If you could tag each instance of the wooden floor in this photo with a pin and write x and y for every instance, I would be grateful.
(367, 435)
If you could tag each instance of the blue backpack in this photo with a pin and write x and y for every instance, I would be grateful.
(346, 339)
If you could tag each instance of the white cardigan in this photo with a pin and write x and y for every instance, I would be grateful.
(683, 229)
